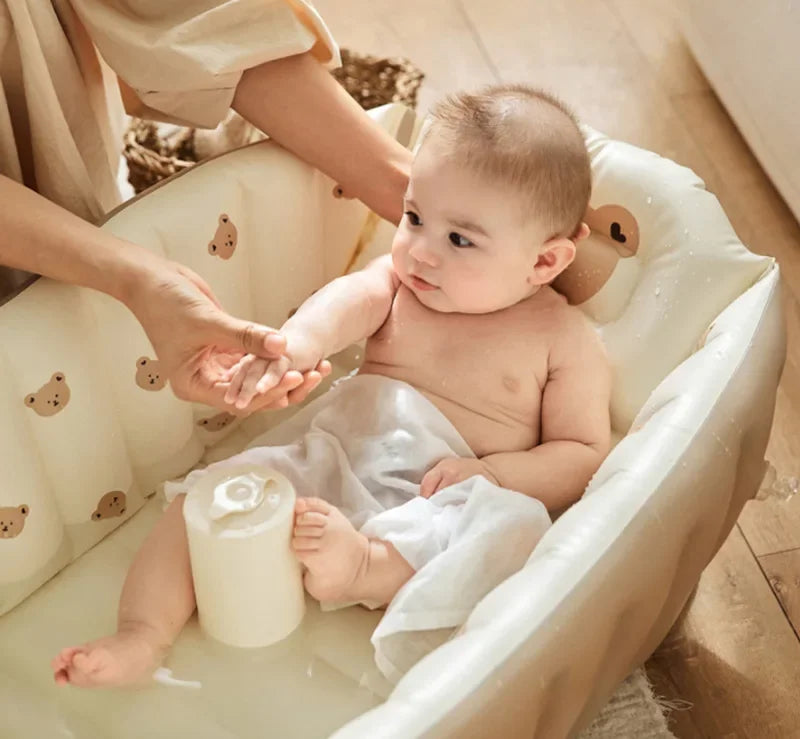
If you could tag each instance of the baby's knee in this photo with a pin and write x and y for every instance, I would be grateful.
(174, 512)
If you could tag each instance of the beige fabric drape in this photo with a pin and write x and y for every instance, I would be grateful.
(61, 111)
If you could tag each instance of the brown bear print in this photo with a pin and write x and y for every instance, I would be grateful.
(216, 423)
(614, 236)
(12, 521)
(148, 374)
(50, 398)
(225, 239)
(110, 505)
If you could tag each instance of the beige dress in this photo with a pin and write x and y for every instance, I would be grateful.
(66, 66)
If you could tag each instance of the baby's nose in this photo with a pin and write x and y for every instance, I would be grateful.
(424, 255)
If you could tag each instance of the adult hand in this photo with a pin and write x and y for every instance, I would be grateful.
(198, 342)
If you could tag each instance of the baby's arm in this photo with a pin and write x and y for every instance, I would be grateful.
(576, 427)
(346, 310)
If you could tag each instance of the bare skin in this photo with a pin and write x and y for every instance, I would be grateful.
(157, 600)
(465, 317)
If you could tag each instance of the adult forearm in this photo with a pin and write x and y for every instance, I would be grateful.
(555, 473)
(41, 237)
(299, 104)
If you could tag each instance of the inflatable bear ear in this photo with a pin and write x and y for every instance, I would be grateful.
(613, 235)
(617, 226)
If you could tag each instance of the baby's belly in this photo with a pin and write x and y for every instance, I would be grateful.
(487, 427)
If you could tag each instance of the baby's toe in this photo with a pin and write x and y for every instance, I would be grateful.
(306, 543)
(313, 519)
(311, 532)
(317, 505)
(63, 658)
(88, 662)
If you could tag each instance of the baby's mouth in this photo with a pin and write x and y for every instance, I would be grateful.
(419, 284)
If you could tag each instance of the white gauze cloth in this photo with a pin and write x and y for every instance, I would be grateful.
(364, 446)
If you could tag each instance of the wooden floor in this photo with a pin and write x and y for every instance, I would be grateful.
(734, 655)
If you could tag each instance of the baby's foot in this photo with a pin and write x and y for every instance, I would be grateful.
(335, 554)
(127, 657)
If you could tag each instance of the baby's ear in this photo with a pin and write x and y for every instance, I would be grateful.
(554, 257)
(582, 233)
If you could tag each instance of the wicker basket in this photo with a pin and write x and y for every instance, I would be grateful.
(154, 151)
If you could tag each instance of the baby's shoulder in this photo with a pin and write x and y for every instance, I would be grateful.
(573, 336)
(553, 310)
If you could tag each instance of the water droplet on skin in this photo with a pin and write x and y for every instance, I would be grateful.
(658, 291)
(685, 231)
(691, 253)
(649, 200)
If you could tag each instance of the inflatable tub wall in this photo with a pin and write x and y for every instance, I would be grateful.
(88, 429)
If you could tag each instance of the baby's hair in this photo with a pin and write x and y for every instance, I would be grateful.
(526, 138)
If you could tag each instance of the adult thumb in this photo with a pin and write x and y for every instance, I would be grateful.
(249, 337)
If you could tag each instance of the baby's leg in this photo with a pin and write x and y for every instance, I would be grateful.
(156, 601)
(342, 564)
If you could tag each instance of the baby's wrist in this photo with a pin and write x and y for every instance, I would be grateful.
(303, 348)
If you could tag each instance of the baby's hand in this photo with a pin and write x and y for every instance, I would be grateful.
(254, 381)
(451, 471)
(253, 376)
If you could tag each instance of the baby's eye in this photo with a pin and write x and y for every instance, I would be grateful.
(456, 239)
(413, 218)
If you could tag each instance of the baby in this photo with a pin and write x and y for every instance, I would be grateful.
(461, 311)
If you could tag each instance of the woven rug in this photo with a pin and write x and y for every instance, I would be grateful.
(632, 713)
(154, 151)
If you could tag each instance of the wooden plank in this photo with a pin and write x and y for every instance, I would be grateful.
(760, 217)
(783, 571)
(654, 28)
(733, 654)
(436, 36)
(773, 525)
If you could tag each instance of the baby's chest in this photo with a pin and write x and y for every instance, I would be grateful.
(496, 355)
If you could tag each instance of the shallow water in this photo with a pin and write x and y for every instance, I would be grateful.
(308, 685)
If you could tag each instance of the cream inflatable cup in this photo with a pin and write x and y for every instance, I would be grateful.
(247, 581)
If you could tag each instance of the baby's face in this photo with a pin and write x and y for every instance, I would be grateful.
(463, 245)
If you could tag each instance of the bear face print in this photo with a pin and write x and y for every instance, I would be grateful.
(216, 423)
(12, 521)
(148, 374)
(50, 398)
(225, 239)
(111, 505)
